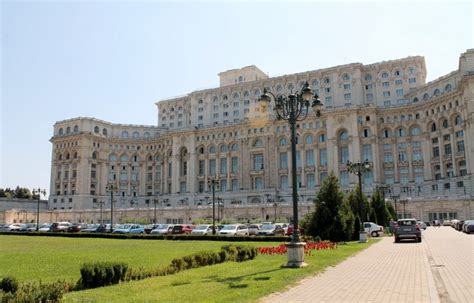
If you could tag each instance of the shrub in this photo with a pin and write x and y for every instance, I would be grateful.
(38, 292)
(9, 284)
(99, 274)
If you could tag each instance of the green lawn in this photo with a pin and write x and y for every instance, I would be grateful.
(228, 282)
(50, 258)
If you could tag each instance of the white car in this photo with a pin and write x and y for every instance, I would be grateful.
(203, 230)
(17, 227)
(234, 230)
(162, 229)
(373, 229)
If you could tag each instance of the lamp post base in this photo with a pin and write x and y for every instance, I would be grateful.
(363, 238)
(295, 254)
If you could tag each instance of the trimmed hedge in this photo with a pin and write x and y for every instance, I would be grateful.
(154, 237)
(97, 274)
(37, 292)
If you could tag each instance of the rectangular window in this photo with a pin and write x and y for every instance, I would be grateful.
(419, 179)
(367, 152)
(436, 152)
(402, 156)
(417, 155)
(370, 97)
(385, 84)
(284, 160)
(387, 103)
(323, 157)
(327, 90)
(447, 149)
(309, 157)
(201, 167)
(310, 181)
(235, 164)
(284, 182)
(258, 162)
(223, 166)
(328, 101)
(404, 180)
(343, 154)
(344, 175)
(347, 86)
(399, 92)
(223, 185)
(368, 87)
(347, 96)
(412, 80)
(386, 94)
(212, 167)
(236, 112)
(170, 169)
(298, 159)
(201, 186)
(182, 187)
(258, 183)
(388, 158)
(460, 146)
(235, 184)
(398, 82)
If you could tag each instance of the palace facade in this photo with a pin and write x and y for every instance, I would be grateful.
(417, 136)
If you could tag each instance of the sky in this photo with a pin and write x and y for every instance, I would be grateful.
(113, 60)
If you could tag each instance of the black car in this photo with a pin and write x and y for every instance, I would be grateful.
(407, 229)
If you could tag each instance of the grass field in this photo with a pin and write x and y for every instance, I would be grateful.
(50, 258)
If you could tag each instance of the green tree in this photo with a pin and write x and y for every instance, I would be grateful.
(391, 212)
(22, 193)
(2, 193)
(332, 218)
(382, 215)
(359, 207)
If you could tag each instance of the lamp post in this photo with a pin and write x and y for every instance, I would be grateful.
(101, 204)
(293, 108)
(38, 191)
(155, 202)
(212, 183)
(395, 198)
(358, 169)
(111, 187)
(275, 210)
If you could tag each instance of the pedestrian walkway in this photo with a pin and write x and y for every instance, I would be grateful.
(440, 269)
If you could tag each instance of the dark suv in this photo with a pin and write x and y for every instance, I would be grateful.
(407, 229)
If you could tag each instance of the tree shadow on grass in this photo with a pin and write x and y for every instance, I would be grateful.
(180, 283)
(233, 282)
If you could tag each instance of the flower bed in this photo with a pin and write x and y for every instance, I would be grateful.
(308, 248)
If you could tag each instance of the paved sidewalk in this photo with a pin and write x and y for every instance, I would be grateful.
(389, 272)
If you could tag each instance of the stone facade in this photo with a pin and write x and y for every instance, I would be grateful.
(417, 136)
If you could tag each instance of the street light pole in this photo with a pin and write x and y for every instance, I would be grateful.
(38, 192)
(101, 204)
(155, 201)
(111, 187)
(213, 183)
(395, 198)
(293, 108)
(358, 169)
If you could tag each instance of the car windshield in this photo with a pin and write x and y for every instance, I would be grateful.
(126, 226)
(253, 226)
(406, 223)
(229, 227)
(201, 227)
(268, 227)
(162, 226)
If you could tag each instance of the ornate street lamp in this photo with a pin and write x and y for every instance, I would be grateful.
(101, 204)
(38, 191)
(213, 183)
(111, 187)
(293, 108)
(358, 169)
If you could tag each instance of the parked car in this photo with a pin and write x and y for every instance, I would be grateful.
(421, 224)
(95, 228)
(459, 225)
(253, 229)
(271, 230)
(373, 229)
(162, 229)
(45, 227)
(468, 226)
(130, 229)
(31, 227)
(17, 227)
(203, 229)
(182, 229)
(76, 227)
(407, 229)
(289, 230)
(60, 226)
(234, 230)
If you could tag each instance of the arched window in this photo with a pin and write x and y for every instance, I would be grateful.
(104, 132)
(346, 77)
(236, 96)
(241, 78)
(76, 128)
(386, 133)
(445, 123)
(448, 88)
(322, 138)
(457, 120)
(94, 155)
(309, 139)
(291, 86)
(112, 158)
(246, 93)
(411, 71)
(61, 131)
(314, 83)
(201, 150)
(68, 130)
(212, 149)
(398, 73)
(223, 148)
(123, 158)
(415, 99)
(384, 75)
(401, 132)
(343, 136)
(415, 131)
(96, 129)
(68, 156)
(125, 134)
(426, 96)
(437, 92)
(136, 135)
(279, 88)
(75, 155)
(256, 92)
(215, 99)
(135, 158)
(234, 147)
(224, 97)
(283, 142)
(146, 135)
(433, 127)
(59, 157)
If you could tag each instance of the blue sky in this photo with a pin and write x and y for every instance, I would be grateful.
(113, 59)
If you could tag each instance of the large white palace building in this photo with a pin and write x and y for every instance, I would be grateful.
(417, 136)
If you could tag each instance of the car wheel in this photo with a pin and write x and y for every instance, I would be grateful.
(374, 234)
(419, 239)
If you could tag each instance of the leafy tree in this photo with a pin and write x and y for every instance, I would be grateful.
(359, 207)
(2, 193)
(391, 212)
(382, 215)
(22, 193)
(332, 218)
